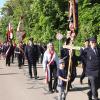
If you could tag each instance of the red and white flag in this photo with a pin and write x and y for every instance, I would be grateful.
(9, 32)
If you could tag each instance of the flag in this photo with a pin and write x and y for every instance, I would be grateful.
(73, 19)
(20, 34)
(9, 33)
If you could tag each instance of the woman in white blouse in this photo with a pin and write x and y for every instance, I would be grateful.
(50, 65)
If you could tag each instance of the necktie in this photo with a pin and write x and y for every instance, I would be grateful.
(95, 51)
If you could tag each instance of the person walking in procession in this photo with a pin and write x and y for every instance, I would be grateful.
(19, 52)
(65, 54)
(83, 63)
(31, 52)
(92, 57)
(9, 52)
(50, 65)
(61, 80)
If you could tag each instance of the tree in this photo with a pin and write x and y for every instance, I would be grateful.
(44, 18)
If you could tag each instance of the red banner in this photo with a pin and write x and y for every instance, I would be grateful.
(9, 33)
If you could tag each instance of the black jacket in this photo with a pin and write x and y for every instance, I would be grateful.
(92, 62)
(31, 53)
(10, 51)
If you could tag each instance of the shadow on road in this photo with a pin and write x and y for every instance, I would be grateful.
(79, 89)
(9, 74)
(1, 68)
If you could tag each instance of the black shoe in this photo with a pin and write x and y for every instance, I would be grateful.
(55, 90)
(31, 77)
(20, 67)
(95, 99)
(89, 98)
(69, 87)
(50, 91)
(89, 94)
(81, 82)
(36, 77)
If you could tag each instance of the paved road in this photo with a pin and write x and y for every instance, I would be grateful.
(15, 84)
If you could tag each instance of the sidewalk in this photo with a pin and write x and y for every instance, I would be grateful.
(15, 84)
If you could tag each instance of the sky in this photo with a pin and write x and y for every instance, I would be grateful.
(2, 3)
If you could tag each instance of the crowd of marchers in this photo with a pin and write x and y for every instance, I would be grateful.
(60, 72)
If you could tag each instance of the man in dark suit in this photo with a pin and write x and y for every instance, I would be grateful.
(31, 52)
(19, 52)
(86, 45)
(93, 68)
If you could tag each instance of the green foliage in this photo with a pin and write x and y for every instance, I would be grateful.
(89, 20)
(44, 18)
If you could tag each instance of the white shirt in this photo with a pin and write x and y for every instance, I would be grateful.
(47, 58)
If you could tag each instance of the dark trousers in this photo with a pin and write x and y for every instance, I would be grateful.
(41, 58)
(34, 69)
(93, 83)
(82, 76)
(72, 78)
(8, 60)
(19, 61)
(83, 73)
(23, 60)
(53, 73)
(12, 58)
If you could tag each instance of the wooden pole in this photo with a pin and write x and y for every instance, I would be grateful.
(74, 16)
(72, 12)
